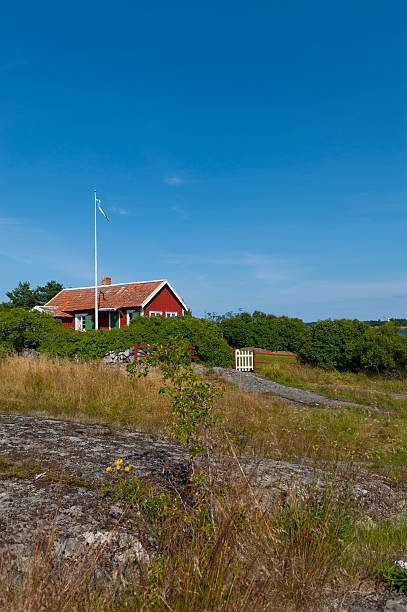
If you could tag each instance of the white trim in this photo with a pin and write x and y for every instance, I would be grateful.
(172, 313)
(112, 285)
(155, 313)
(154, 293)
(59, 292)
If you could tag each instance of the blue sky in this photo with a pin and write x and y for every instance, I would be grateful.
(254, 153)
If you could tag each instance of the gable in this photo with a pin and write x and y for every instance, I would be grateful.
(165, 300)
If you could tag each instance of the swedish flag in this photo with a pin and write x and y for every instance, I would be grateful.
(102, 211)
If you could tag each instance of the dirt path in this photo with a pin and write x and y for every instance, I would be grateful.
(255, 384)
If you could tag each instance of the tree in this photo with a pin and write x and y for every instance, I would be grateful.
(46, 292)
(22, 296)
(25, 297)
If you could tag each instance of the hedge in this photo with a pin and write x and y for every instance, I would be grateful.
(20, 329)
(265, 331)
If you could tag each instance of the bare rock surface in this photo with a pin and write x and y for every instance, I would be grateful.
(382, 601)
(374, 494)
(84, 450)
(69, 522)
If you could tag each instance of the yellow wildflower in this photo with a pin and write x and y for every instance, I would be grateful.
(109, 467)
(127, 469)
(118, 467)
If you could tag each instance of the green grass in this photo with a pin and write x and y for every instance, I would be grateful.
(29, 469)
(275, 359)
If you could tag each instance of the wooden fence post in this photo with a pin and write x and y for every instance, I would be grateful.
(254, 361)
(136, 352)
(234, 359)
(190, 353)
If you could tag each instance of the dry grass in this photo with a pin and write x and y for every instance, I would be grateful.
(82, 392)
(282, 556)
(257, 426)
(286, 555)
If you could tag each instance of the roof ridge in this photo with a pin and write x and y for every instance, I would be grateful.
(161, 280)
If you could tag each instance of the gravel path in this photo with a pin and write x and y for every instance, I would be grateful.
(255, 384)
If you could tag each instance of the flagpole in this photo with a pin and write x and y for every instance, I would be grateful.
(96, 275)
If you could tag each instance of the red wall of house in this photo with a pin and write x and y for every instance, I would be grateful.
(68, 322)
(164, 300)
(123, 317)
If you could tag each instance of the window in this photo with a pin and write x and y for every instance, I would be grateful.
(156, 313)
(132, 314)
(80, 322)
(84, 322)
(170, 314)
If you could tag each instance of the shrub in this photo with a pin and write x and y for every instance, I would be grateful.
(265, 331)
(345, 344)
(210, 346)
(20, 329)
(381, 350)
(332, 343)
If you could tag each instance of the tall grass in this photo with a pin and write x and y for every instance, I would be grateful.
(89, 392)
(257, 426)
(281, 555)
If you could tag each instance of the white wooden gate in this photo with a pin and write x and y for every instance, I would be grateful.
(243, 360)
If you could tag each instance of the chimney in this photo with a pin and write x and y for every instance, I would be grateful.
(107, 280)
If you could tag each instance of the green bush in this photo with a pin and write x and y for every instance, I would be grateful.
(381, 350)
(346, 344)
(20, 329)
(332, 343)
(210, 346)
(264, 331)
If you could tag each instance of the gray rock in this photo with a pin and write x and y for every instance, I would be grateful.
(28, 353)
(119, 357)
(72, 522)
(395, 605)
(85, 450)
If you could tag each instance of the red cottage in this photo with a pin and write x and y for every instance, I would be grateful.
(117, 304)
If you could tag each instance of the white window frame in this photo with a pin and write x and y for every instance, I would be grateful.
(155, 313)
(169, 314)
(80, 316)
(129, 312)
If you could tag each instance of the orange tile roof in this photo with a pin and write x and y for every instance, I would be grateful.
(126, 295)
